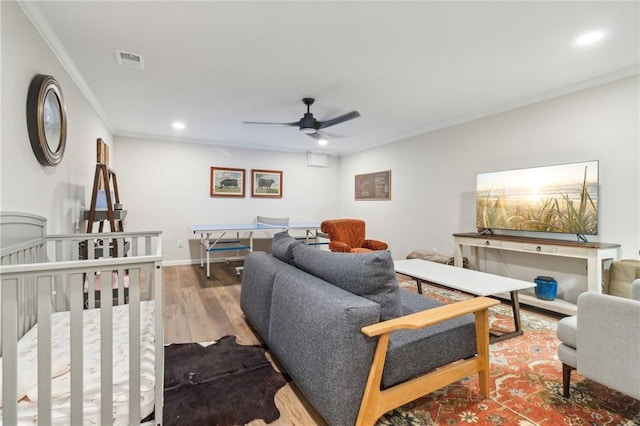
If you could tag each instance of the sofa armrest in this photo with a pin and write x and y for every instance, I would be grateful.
(376, 401)
(430, 316)
(339, 246)
(608, 341)
(375, 245)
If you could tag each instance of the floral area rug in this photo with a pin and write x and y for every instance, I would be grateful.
(526, 383)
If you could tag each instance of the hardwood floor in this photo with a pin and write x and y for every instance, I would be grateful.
(198, 309)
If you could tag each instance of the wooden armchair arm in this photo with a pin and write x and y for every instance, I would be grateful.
(375, 245)
(430, 316)
(376, 401)
(339, 246)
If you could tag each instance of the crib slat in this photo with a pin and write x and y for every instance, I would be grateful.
(91, 290)
(134, 346)
(44, 349)
(158, 312)
(120, 248)
(61, 300)
(148, 275)
(121, 292)
(91, 249)
(9, 351)
(134, 246)
(76, 349)
(91, 277)
(106, 349)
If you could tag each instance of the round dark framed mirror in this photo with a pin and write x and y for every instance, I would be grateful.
(46, 120)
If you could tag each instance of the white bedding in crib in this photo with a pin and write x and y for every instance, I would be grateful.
(27, 367)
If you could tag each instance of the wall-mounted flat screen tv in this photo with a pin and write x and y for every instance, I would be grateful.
(560, 198)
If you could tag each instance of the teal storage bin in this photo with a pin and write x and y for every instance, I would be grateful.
(546, 288)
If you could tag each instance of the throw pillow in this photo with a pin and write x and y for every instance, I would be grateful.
(282, 247)
(621, 275)
(370, 275)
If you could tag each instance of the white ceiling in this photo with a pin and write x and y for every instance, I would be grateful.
(407, 67)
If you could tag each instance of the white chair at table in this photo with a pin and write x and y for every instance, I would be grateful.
(266, 220)
(279, 221)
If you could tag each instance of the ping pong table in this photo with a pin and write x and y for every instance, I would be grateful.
(212, 237)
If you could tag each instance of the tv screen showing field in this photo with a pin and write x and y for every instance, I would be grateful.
(561, 198)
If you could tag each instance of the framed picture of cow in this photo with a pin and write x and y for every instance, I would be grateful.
(226, 182)
(266, 183)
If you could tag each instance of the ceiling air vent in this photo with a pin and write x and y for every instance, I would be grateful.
(130, 60)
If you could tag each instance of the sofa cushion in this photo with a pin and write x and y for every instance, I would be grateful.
(407, 353)
(567, 331)
(282, 247)
(370, 275)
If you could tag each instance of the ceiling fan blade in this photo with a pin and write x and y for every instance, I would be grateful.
(340, 119)
(295, 123)
(317, 136)
(327, 135)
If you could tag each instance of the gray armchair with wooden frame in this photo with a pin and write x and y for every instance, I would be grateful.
(602, 341)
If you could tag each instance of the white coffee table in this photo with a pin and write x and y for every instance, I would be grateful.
(468, 281)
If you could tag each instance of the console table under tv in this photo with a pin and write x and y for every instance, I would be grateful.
(594, 253)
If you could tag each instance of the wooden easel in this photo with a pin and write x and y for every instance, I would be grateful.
(105, 178)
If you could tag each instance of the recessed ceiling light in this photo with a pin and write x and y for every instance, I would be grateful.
(178, 125)
(322, 142)
(589, 38)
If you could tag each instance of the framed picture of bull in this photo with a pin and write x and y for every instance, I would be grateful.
(226, 182)
(266, 183)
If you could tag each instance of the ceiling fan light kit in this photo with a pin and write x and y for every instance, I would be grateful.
(309, 125)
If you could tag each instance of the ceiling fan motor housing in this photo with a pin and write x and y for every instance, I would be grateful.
(308, 124)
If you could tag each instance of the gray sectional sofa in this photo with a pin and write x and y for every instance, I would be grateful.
(309, 306)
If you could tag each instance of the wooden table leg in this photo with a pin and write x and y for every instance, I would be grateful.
(515, 305)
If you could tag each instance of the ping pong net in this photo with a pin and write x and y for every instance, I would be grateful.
(275, 221)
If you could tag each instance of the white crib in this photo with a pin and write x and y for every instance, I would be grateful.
(64, 359)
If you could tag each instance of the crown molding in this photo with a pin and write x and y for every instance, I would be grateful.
(562, 91)
(40, 23)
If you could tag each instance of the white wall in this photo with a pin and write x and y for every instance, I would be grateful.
(165, 186)
(53, 192)
(434, 175)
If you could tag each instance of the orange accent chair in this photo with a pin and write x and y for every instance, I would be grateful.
(348, 236)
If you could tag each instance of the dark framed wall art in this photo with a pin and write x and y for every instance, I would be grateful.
(46, 120)
(266, 183)
(227, 182)
(373, 186)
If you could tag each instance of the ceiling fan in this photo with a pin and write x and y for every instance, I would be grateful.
(309, 125)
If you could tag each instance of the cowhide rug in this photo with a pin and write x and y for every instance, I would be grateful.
(221, 384)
